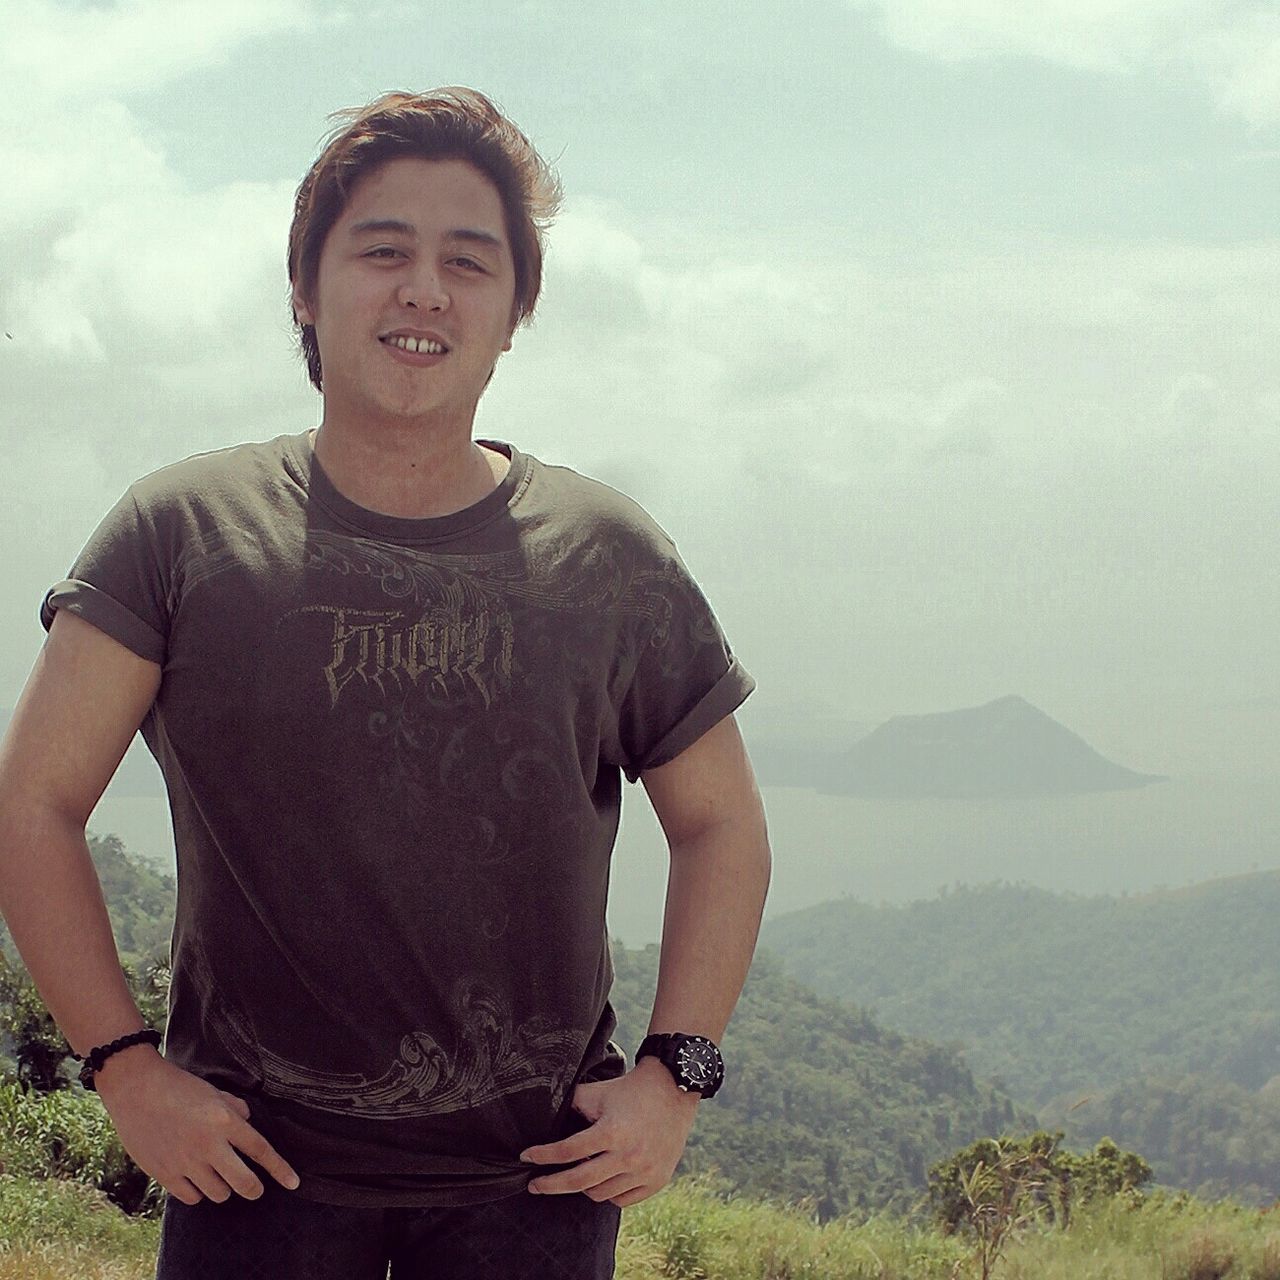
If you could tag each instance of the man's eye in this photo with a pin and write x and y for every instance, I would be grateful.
(383, 251)
(470, 263)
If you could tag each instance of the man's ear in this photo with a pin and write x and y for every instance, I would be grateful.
(301, 307)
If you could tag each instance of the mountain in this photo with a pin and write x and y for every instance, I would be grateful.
(794, 745)
(1058, 995)
(140, 901)
(819, 1099)
(1204, 1135)
(1153, 1020)
(1003, 748)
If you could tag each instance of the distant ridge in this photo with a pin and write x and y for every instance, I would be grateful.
(1153, 1019)
(1003, 748)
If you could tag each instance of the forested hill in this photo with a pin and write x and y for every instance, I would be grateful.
(1153, 1020)
(140, 901)
(1208, 1136)
(820, 1100)
(1055, 994)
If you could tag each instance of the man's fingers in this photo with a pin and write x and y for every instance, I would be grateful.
(580, 1178)
(238, 1105)
(577, 1146)
(239, 1177)
(256, 1147)
(185, 1190)
(614, 1187)
(211, 1184)
(631, 1197)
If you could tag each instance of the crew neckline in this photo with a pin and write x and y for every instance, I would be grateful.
(309, 473)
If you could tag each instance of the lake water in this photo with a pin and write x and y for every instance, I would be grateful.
(1169, 834)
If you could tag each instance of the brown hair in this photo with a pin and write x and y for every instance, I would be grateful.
(445, 124)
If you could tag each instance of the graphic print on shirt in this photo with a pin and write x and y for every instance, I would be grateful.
(451, 633)
(454, 669)
(455, 627)
(393, 651)
(490, 1058)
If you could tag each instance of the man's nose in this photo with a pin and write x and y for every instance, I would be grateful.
(424, 291)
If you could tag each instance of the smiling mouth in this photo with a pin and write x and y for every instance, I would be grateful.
(424, 345)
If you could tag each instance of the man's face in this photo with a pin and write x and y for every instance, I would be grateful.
(419, 258)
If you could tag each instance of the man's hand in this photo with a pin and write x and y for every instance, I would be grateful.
(640, 1124)
(183, 1131)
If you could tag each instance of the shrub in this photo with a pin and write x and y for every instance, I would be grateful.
(69, 1135)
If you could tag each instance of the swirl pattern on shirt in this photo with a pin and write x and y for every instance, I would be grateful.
(491, 1058)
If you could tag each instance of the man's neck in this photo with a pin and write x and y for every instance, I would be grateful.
(409, 471)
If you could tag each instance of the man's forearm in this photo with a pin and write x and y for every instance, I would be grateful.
(715, 899)
(52, 901)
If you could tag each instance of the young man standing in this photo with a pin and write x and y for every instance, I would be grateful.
(391, 674)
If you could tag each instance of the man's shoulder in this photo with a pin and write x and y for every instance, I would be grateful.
(230, 471)
(597, 507)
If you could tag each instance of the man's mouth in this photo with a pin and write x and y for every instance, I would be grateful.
(427, 346)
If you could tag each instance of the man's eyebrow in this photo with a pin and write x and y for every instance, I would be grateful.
(384, 224)
(394, 226)
(475, 236)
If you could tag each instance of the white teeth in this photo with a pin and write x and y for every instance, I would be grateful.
(417, 344)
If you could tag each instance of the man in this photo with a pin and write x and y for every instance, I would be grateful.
(391, 674)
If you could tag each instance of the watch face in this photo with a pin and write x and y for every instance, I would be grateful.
(697, 1063)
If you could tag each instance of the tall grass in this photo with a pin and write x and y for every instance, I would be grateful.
(694, 1233)
(54, 1229)
(51, 1229)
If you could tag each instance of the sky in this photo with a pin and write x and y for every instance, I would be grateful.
(940, 334)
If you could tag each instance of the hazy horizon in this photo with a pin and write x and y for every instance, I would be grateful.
(941, 337)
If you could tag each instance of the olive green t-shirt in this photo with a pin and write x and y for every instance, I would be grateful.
(393, 749)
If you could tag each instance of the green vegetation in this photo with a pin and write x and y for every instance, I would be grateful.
(52, 1229)
(32, 1049)
(1163, 1009)
(1211, 1137)
(1055, 994)
(68, 1136)
(995, 1188)
(822, 1101)
(836, 1148)
(140, 900)
(1034, 1177)
(696, 1230)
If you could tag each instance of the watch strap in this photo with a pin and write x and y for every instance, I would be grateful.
(665, 1046)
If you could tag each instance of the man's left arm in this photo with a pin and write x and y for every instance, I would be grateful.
(710, 810)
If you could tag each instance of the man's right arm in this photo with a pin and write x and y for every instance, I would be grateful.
(82, 704)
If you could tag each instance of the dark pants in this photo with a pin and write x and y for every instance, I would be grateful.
(280, 1236)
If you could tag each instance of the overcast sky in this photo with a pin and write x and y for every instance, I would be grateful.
(940, 334)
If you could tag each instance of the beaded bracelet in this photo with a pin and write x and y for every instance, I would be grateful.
(94, 1059)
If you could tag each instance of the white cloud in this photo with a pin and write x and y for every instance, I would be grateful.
(1233, 48)
(1241, 62)
(110, 258)
(1101, 35)
(123, 264)
(853, 420)
(130, 45)
(141, 308)
(1028, 359)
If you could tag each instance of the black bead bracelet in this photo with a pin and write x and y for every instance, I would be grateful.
(94, 1059)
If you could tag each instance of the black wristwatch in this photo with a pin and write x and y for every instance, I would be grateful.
(694, 1061)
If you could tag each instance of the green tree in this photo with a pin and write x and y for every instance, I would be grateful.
(30, 1035)
(42, 1058)
(996, 1185)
